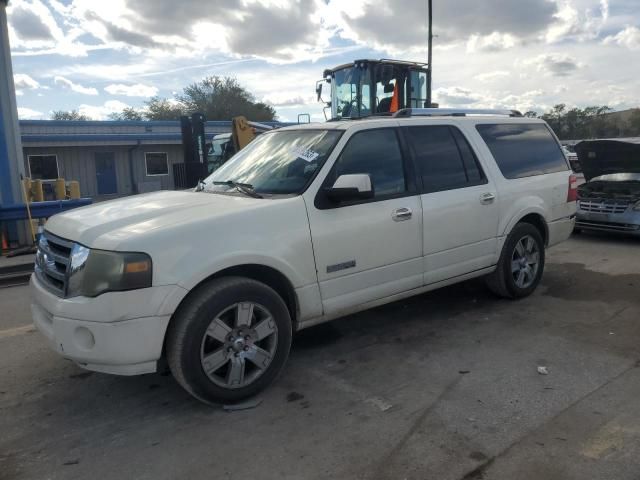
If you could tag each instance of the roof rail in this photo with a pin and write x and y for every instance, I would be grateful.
(453, 112)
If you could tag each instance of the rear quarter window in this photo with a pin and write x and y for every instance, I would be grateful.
(523, 150)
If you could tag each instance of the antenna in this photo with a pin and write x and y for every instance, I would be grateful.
(430, 58)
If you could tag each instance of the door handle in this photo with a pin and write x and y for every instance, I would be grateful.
(487, 198)
(401, 214)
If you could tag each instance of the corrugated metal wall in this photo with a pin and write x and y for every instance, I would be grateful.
(78, 163)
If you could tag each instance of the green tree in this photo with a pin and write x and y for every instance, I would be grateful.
(128, 113)
(68, 115)
(531, 114)
(162, 109)
(221, 98)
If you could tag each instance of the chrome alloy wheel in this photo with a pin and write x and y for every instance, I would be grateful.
(239, 345)
(525, 262)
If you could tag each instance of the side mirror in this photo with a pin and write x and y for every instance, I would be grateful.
(351, 187)
(319, 89)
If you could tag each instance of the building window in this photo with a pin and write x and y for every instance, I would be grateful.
(43, 167)
(157, 163)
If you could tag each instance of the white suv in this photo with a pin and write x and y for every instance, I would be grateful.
(306, 224)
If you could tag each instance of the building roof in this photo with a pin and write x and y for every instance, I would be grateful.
(47, 133)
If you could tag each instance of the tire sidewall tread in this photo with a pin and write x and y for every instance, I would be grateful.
(501, 281)
(191, 320)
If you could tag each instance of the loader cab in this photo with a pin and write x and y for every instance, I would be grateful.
(374, 87)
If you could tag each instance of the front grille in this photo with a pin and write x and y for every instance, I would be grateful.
(52, 262)
(602, 207)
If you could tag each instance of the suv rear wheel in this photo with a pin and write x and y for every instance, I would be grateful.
(521, 263)
(230, 340)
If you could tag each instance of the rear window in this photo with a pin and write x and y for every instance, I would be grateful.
(522, 150)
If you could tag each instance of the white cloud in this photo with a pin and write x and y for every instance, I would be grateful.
(629, 37)
(23, 81)
(136, 90)
(456, 96)
(29, 114)
(489, 76)
(102, 112)
(494, 42)
(575, 20)
(555, 64)
(65, 82)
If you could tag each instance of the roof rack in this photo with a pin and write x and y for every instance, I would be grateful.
(453, 112)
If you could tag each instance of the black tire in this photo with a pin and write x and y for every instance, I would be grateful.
(577, 231)
(502, 282)
(187, 330)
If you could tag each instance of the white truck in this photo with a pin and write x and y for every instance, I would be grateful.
(305, 225)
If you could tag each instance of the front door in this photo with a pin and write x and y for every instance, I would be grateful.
(106, 173)
(371, 249)
(459, 203)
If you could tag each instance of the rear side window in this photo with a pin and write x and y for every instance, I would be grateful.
(377, 153)
(522, 150)
(445, 159)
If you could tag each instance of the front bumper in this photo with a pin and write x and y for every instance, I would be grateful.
(627, 222)
(117, 332)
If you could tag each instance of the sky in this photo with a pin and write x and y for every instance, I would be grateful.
(100, 56)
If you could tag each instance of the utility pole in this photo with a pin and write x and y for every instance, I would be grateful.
(430, 53)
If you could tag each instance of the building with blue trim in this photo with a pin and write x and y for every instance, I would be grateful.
(109, 158)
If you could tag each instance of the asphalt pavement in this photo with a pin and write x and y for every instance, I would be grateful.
(441, 386)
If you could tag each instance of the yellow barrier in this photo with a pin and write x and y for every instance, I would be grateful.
(74, 189)
(60, 189)
(63, 190)
(27, 188)
(37, 194)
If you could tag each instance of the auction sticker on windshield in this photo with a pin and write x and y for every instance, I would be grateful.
(305, 154)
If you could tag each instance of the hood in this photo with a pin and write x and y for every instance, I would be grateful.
(108, 224)
(605, 157)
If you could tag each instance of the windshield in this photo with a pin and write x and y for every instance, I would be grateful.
(351, 93)
(281, 162)
(221, 150)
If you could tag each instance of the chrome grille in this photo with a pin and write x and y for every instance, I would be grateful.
(602, 207)
(52, 262)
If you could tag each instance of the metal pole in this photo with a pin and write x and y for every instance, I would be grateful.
(430, 53)
(11, 156)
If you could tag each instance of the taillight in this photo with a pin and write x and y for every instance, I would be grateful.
(572, 194)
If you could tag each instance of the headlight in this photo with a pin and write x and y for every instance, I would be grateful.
(93, 272)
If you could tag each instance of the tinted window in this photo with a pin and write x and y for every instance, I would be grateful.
(377, 153)
(523, 150)
(474, 173)
(445, 159)
(157, 163)
(43, 167)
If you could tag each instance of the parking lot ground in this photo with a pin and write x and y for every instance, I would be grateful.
(440, 386)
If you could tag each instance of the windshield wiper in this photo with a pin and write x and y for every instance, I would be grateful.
(245, 188)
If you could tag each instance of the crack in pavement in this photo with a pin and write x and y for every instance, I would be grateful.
(383, 465)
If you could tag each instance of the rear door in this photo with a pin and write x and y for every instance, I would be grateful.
(370, 249)
(459, 203)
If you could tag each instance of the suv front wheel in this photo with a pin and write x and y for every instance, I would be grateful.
(229, 340)
(521, 263)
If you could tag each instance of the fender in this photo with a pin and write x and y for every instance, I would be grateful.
(523, 207)
(243, 258)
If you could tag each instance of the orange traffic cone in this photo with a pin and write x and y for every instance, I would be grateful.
(5, 245)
